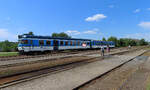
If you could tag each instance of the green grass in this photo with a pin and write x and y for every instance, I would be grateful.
(8, 53)
(148, 87)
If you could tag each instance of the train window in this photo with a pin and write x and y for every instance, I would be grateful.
(71, 43)
(61, 43)
(93, 43)
(48, 42)
(78, 43)
(31, 41)
(100, 43)
(41, 42)
(96, 43)
(24, 42)
(88, 43)
(74, 43)
(66, 43)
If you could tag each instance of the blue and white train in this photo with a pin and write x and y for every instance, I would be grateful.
(31, 43)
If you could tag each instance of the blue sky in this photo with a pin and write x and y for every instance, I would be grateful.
(92, 19)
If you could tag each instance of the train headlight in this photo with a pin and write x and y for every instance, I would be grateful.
(20, 48)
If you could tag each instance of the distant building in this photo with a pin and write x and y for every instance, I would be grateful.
(0, 49)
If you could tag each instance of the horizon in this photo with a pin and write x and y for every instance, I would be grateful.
(92, 19)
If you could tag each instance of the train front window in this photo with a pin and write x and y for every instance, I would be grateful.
(24, 41)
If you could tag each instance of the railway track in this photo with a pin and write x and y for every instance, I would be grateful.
(56, 53)
(11, 80)
(21, 77)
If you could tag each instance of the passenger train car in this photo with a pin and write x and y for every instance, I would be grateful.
(31, 43)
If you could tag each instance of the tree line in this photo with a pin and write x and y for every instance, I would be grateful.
(7, 46)
(123, 42)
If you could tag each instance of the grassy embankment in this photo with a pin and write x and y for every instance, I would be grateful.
(8, 53)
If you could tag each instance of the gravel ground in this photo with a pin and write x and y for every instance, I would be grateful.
(134, 75)
(139, 80)
(70, 79)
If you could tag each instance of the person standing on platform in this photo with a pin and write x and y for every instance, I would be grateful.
(129, 47)
(102, 51)
(108, 49)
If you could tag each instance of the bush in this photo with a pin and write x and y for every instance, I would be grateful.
(7, 46)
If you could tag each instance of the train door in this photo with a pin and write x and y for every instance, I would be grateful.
(90, 44)
(55, 44)
(32, 47)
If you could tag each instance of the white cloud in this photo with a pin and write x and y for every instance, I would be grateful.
(94, 31)
(146, 36)
(144, 25)
(137, 10)
(90, 32)
(73, 32)
(111, 6)
(96, 17)
(148, 9)
(6, 35)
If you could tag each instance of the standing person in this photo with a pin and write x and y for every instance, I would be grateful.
(129, 47)
(108, 49)
(102, 51)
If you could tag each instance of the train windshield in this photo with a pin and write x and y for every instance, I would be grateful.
(23, 41)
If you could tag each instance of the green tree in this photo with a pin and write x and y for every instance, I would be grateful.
(7, 46)
(55, 35)
(133, 43)
(121, 42)
(114, 39)
(143, 42)
(103, 39)
(62, 34)
(29, 33)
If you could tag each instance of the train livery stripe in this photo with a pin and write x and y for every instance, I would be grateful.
(40, 48)
(72, 47)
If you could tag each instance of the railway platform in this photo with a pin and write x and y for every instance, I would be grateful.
(70, 79)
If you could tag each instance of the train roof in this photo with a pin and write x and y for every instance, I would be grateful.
(49, 37)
